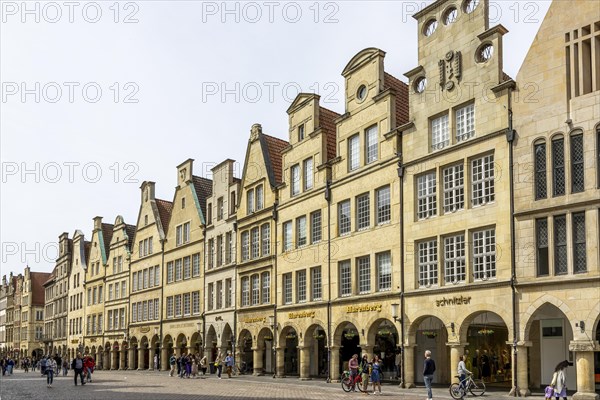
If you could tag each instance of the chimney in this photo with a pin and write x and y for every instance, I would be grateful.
(97, 223)
(147, 191)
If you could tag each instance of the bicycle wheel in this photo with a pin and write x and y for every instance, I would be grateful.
(477, 388)
(346, 383)
(456, 391)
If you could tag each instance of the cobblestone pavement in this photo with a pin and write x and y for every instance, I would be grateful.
(148, 385)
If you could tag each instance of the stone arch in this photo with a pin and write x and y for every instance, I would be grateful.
(414, 325)
(336, 338)
(211, 336)
(227, 336)
(463, 326)
(593, 317)
(537, 304)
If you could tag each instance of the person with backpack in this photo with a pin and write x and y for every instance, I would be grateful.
(77, 366)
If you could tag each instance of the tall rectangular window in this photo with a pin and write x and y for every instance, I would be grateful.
(170, 307)
(541, 244)
(124, 288)
(211, 253)
(558, 167)
(384, 211)
(454, 259)
(577, 174)
(440, 136)
(245, 291)
(428, 263)
(228, 292)
(110, 292)
(255, 237)
(344, 224)
(426, 195)
(484, 254)
(353, 154)
(250, 200)
(179, 235)
(220, 208)
(150, 310)
(255, 289)
(196, 303)
(133, 315)
(229, 249)
(295, 177)
(266, 287)
(178, 305)
(308, 173)
(187, 306)
(134, 281)
(540, 171)
(579, 249)
(219, 250)
(454, 192)
(363, 211)
(219, 295)
(195, 265)
(287, 236)
(315, 226)
(465, 123)
(210, 292)
(482, 176)
(287, 288)
(560, 245)
(110, 319)
(265, 238)
(245, 246)
(178, 270)
(146, 278)
(364, 274)
(300, 132)
(151, 277)
(187, 268)
(301, 231)
(301, 286)
(384, 271)
(260, 197)
(170, 272)
(371, 144)
(315, 284)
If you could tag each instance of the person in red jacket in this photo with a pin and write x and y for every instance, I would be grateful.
(89, 365)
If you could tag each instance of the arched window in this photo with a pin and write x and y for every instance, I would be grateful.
(577, 166)
(558, 166)
(539, 158)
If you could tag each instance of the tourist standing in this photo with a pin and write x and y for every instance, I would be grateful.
(50, 367)
(77, 366)
(428, 370)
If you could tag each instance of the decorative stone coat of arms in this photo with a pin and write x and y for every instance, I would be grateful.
(450, 70)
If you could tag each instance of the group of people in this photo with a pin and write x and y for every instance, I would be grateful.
(7, 364)
(369, 370)
(189, 365)
(82, 366)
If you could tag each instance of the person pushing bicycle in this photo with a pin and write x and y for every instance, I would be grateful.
(462, 372)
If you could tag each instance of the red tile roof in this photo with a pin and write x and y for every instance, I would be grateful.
(203, 188)
(327, 120)
(50, 278)
(164, 210)
(274, 148)
(37, 287)
(401, 89)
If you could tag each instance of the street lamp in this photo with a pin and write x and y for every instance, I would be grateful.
(396, 312)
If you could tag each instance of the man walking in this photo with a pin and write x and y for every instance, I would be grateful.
(428, 370)
(172, 363)
(229, 363)
(77, 367)
(50, 366)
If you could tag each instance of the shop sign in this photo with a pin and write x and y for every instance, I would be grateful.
(364, 308)
(145, 329)
(254, 319)
(454, 301)
(301, 314)
(183, 325)
(74, 341)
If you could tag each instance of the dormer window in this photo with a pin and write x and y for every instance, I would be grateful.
(301, 132)
(430, 27)
(450, 15)
(470, 5)
(361, 93)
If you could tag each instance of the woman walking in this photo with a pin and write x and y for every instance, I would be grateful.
(376, 375)
(50, 367)
(559, 380)
(219, 364)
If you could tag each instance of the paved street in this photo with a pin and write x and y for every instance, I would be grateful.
(134, 385)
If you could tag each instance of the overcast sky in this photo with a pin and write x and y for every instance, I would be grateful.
(99, 96)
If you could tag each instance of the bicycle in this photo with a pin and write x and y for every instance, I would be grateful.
(459, 390)
(349, 384)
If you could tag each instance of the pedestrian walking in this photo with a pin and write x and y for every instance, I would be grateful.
(43, 363)
(50, 367)
(156, 362)
(203, 365)
(428, 370)
(365, 369)
(559, 380)
(229, 363)
(77, 366)
(89, 364)
(219, 364)
(172, 363)
(65, 367)
(194, 366)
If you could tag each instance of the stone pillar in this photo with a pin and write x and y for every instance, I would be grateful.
(304, 362)
(584, 361)
(334, 364)
(114, 362)
(141, 351)
(151, 362)
(365, 348)
(280, 362)
(177, 352)
(257, 361)
(131, 357)
(164, 359)
(122, 359)
(409, 366)
(456, 350)
(106, 360)
(522, 375)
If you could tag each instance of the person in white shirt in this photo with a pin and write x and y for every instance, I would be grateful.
(462, 371)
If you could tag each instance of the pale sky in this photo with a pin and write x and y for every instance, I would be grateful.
(98, 97)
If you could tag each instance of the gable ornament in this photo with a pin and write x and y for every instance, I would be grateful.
(450, 68)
